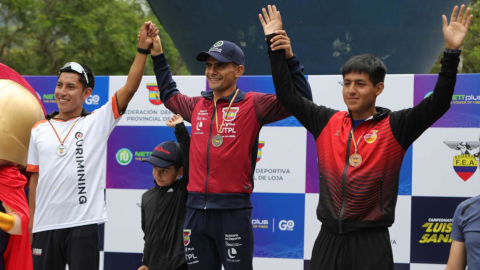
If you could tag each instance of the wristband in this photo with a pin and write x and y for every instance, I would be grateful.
(446, 50)
(143, 51)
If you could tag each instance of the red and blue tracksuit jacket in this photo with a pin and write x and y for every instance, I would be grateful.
(354, 198)
(222, 177)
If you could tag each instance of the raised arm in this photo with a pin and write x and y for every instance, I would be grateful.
(407, 125)
(125, 94)
(183, 138)
(312, 116)
(169, 93)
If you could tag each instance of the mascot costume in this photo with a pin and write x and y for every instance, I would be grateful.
(20, 109)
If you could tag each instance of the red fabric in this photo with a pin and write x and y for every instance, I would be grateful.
(18, 255)
(10, 74)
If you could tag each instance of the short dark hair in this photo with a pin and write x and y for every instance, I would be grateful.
(366, 63)
(90, 76)
(177, 166)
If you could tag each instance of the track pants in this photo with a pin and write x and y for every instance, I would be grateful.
(361, 250)
(78, 247)
(214, 238)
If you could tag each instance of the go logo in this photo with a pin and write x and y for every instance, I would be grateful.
(92, 100)
(286, 225)
(124, 156)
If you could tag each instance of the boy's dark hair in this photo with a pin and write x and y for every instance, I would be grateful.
(366, 63)
(177, 166)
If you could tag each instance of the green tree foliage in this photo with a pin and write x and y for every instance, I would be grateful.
(470, 57)
(39, 36)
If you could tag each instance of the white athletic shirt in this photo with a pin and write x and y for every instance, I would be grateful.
(70, 190)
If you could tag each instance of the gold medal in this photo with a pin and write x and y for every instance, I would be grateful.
(62, 149)
(217, 140)
(355, 160)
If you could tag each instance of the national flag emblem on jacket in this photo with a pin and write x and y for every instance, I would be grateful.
(232, 113)
(186, 237)
(261, 144)
(153, 94)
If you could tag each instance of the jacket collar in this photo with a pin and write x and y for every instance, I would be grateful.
(240, 96)
(55, 113)
(381, 113)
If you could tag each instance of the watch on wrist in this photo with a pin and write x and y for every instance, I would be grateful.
(446, 50)
(143, 51)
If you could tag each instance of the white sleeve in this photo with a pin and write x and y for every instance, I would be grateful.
(32, 161)
(108, 116)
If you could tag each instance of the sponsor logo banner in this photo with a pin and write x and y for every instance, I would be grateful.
(275, 170)
(444, 163)
(400, 232)
(123, 231)
(465, 101)
(432, 219)
(278, 225)
(127, 148)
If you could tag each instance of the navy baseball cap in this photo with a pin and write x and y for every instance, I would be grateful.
(165, 154)
(224, 51)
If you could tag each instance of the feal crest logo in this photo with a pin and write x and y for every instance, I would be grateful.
(464, 164)
(124, 156)
(261, 144)
(153, 94)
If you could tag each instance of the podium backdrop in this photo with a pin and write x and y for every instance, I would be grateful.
(435, 176)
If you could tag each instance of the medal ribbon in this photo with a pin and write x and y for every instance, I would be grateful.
(357, 143)
(228, 110)
(56, 133)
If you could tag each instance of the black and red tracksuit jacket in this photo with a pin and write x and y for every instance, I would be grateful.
(222, 177)
(354, 198)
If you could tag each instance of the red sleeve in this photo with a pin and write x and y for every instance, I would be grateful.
(183, 105)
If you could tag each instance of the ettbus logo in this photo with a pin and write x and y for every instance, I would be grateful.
(124, 156)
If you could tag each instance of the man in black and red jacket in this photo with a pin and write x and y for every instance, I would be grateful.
(225, 127)
(360, 151)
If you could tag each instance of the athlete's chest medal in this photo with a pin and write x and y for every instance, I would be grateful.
(355, 160)
(217, 140)
(61, 150)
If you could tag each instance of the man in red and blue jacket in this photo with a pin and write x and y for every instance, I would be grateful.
(225, 127)
(360, 151)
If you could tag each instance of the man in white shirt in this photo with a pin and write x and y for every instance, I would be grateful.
(67, 158)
